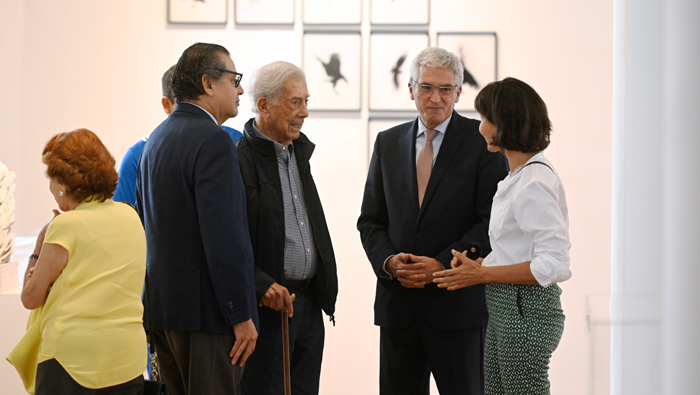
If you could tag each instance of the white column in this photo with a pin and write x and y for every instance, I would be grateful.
(655, 304)
(638, 134)
(680, 356)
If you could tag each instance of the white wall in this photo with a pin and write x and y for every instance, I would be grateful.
(81, 63)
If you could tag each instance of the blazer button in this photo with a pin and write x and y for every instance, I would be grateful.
(418, 235)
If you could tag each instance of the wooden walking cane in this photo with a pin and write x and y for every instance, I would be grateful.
(285, 349)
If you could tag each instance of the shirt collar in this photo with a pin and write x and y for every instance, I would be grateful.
(200, 107)
(279, 147)
(441, 128)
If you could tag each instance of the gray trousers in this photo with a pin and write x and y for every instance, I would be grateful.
(194, 363)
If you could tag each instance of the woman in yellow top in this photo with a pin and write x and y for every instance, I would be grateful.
(85, 278)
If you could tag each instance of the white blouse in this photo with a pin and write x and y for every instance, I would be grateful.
(530, 222)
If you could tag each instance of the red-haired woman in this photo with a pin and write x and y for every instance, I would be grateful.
(84, 280)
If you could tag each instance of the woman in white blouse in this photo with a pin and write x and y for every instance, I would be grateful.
(529, 235)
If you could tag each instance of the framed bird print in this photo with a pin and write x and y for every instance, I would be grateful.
(326, 12)
(399, 12)
(198, 11)
(332, 62)
(479, 54)
(390, 56)
(263, 12)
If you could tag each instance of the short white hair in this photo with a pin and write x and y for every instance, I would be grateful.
(437, 57)
(268, 81)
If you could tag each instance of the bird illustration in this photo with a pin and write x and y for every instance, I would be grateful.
(468, 77)
(397, 70)
(333, 69)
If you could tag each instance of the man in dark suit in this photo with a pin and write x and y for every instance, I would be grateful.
(191, 200)
(429, 190)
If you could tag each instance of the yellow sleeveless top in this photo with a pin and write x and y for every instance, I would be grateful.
(91, 322)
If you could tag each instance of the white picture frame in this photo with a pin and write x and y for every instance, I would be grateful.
(388, 75)
(264, 12)
(198, 12)
(327, 12)
(479, 54)
(399, 12)
(332, 62)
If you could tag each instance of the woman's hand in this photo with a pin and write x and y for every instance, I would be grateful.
(464, 273)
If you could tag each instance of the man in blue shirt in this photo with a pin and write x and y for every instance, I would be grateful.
(126, 187)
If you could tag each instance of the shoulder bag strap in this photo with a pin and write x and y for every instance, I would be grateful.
(542, 163)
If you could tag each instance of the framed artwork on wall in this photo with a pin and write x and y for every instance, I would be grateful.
(327, 12)
(479, 55)
(376, 125)
(263, 12)
(390, 56)
(198, 11)
(399, 12)
(332, 62)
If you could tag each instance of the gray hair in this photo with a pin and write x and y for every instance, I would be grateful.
(268, 81)
(437, 57)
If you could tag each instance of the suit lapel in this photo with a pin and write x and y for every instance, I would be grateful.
(407, 146)
(454, 136)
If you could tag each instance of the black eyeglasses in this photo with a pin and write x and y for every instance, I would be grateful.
(239, 76)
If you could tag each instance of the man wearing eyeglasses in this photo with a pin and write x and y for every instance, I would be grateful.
(191, 200)
(429, 191)
(126, 187)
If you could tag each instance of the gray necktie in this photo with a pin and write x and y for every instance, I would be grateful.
(425, 164)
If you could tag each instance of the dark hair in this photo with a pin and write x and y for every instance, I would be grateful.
(80, 161)
(197, 60)
(167, 83)
(519, 114)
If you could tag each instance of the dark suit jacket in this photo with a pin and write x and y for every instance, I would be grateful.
(455, 212)
(191, 200)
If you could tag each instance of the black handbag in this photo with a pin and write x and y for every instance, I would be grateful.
(155, 386)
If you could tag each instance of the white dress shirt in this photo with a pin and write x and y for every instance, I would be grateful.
(437, 140)
(530, 222)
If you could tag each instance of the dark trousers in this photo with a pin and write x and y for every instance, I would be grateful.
(264, 373)
(408, 355)
(52, 379)
(194, 363)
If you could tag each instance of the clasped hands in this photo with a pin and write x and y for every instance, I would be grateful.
(413, 271)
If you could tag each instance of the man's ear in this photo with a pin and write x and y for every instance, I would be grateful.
(410, 90)
(168, 106)
(459, 92)
(208, 84)
(263, 106)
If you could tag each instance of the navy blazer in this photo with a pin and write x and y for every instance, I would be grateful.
(191, 199)
(455, 212)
